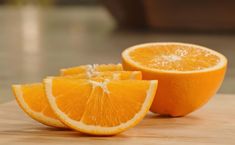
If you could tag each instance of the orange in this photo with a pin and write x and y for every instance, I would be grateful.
(116, 75)
(32, 99)
(99, 107)
(189, 75)
(90, 69)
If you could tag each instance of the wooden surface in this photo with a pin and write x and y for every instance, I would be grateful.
(212, 124)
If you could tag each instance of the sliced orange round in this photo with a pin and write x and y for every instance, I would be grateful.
(33, 101)
(100, 107)
(31, 98)
(189, 75)
(90, 69)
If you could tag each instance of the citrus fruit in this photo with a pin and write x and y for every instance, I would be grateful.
(31, 98)
(90, 69)
(116, 75)
(100, 107)
(189, 75)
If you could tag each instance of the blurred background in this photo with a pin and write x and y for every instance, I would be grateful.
(38, 37)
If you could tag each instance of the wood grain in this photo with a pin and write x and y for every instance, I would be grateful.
(213, 124)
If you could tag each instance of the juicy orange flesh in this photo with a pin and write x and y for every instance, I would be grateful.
(75, 70)
(109, 67)
(87, 68)
(174, 57)
(117, 75)
(35, 97)
(107, 106)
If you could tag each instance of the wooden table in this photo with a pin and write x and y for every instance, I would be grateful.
(213, 124)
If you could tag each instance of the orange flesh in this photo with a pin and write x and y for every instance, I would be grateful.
(75, 70)
(91, 69)
(35, 98)
(117, 75)
(108, 67)
(174, 57)
(106, 105)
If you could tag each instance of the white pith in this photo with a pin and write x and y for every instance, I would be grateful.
(38, 116)
(126, 57)
(80, 126)
(102, 85)
(91, 69)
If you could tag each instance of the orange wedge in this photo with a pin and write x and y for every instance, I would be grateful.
(100, 107)
(114, 75)
(32, 99)
(90, 69)
(189, 75)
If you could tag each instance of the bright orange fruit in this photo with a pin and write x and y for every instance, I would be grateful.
(114, 75)
(31, 98)
(100, 107)
(189, 75)
(90, 69)
(33, 101)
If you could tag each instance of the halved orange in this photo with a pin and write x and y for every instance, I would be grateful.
(90, 69)
(189, 75)
(100, 107)
(32, 99)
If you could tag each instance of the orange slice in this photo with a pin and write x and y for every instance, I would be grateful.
(114, 75)
(189, 75)
(31, 98)
(100, 107)
(90, 69)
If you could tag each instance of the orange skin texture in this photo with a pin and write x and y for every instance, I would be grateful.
(179, 94)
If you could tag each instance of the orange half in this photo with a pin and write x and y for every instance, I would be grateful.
(189, 75)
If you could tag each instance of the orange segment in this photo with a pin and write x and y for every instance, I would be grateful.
(189, 75)
(31, 98)
(116, 75)
(90, 69)
(100, 107)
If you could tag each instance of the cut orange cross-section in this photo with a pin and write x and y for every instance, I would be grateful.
(189, 75)
(90, 69)
(32, 99)
(100, 107)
